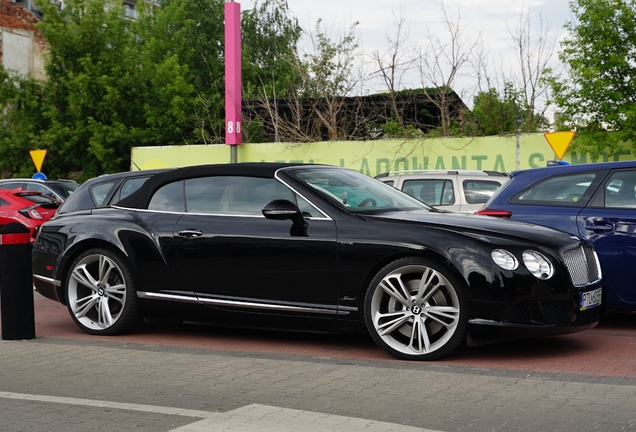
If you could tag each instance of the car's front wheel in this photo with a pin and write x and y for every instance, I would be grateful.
(415, 309)
(100, 293)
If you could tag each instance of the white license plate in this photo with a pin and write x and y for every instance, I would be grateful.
(590, 299)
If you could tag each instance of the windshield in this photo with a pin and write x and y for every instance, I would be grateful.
(357, 192)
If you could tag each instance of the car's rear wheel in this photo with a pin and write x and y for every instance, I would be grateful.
(415, 309)
(100, 293)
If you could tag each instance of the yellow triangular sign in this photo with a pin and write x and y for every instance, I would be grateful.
(38, 158)
(559, 141)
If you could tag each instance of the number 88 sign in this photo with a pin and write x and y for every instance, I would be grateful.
(233, 132)
(230, 127)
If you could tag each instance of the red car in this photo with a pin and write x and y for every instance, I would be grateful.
(29, 208)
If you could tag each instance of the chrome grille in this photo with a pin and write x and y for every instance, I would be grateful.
(582, 265)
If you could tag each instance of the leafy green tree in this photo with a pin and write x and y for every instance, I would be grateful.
(110, 87)
(270, 37)
(493, 114)
(328, 75)
(598, 95)
(329, 69)
(21, 102)
(270, 40)
(114, 83)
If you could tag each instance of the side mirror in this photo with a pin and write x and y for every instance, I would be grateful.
(281, 209)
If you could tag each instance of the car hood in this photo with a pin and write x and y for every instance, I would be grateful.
(477, 225)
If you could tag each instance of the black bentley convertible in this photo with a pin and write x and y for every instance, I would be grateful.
(318, 248)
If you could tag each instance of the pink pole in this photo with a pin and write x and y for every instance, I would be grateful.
(233, 125)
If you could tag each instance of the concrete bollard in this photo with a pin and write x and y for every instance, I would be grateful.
(16, 283)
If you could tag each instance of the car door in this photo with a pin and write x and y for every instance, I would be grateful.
(609, 222)
(231, 252)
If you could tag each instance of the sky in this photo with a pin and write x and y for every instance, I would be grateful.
(490, 19)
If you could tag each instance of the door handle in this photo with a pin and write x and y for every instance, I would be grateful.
(190, 233)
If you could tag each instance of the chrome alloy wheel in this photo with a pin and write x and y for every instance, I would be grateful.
(414, 311)
(97, 292)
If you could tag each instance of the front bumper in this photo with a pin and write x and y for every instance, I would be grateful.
(537, 315)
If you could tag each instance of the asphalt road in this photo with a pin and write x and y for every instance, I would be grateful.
(177, 377)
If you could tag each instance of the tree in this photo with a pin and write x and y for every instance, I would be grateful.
(109, 88)
(327, 74)
(598, 95)
(534, 51)
(114, 83)
(313, 102)
(393, 64)
(270, 59)
(270, 37)
(440, 64)
(270, 40)
(21, 102)
(495, 115)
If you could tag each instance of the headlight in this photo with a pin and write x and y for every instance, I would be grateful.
(538, 265)
(504, 259)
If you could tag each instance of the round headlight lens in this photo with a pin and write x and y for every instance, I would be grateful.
(538, 265)
(504, 259)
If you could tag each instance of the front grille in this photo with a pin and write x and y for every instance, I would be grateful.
(551, 312)
(582, 265)
(556, 312)
(521, 313)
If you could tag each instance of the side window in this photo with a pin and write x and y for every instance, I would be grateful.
(479, 191)
(270, 189)
(131, 185)
(203, 195)
(3, 202)
(39, 188)
(233, 195)
(307, 209)
(12, 185)
(564, 190)
(433, 192)
(168, 198)
(100, 191)
(620, 190)
(389, 182)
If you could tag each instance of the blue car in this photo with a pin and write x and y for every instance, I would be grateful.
(594, 201)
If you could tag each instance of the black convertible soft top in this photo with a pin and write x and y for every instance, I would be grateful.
(141, 197)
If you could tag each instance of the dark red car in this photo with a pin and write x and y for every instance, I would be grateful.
(29, 208)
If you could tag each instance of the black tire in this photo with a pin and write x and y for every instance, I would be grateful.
(100, 293)
(398, 307)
